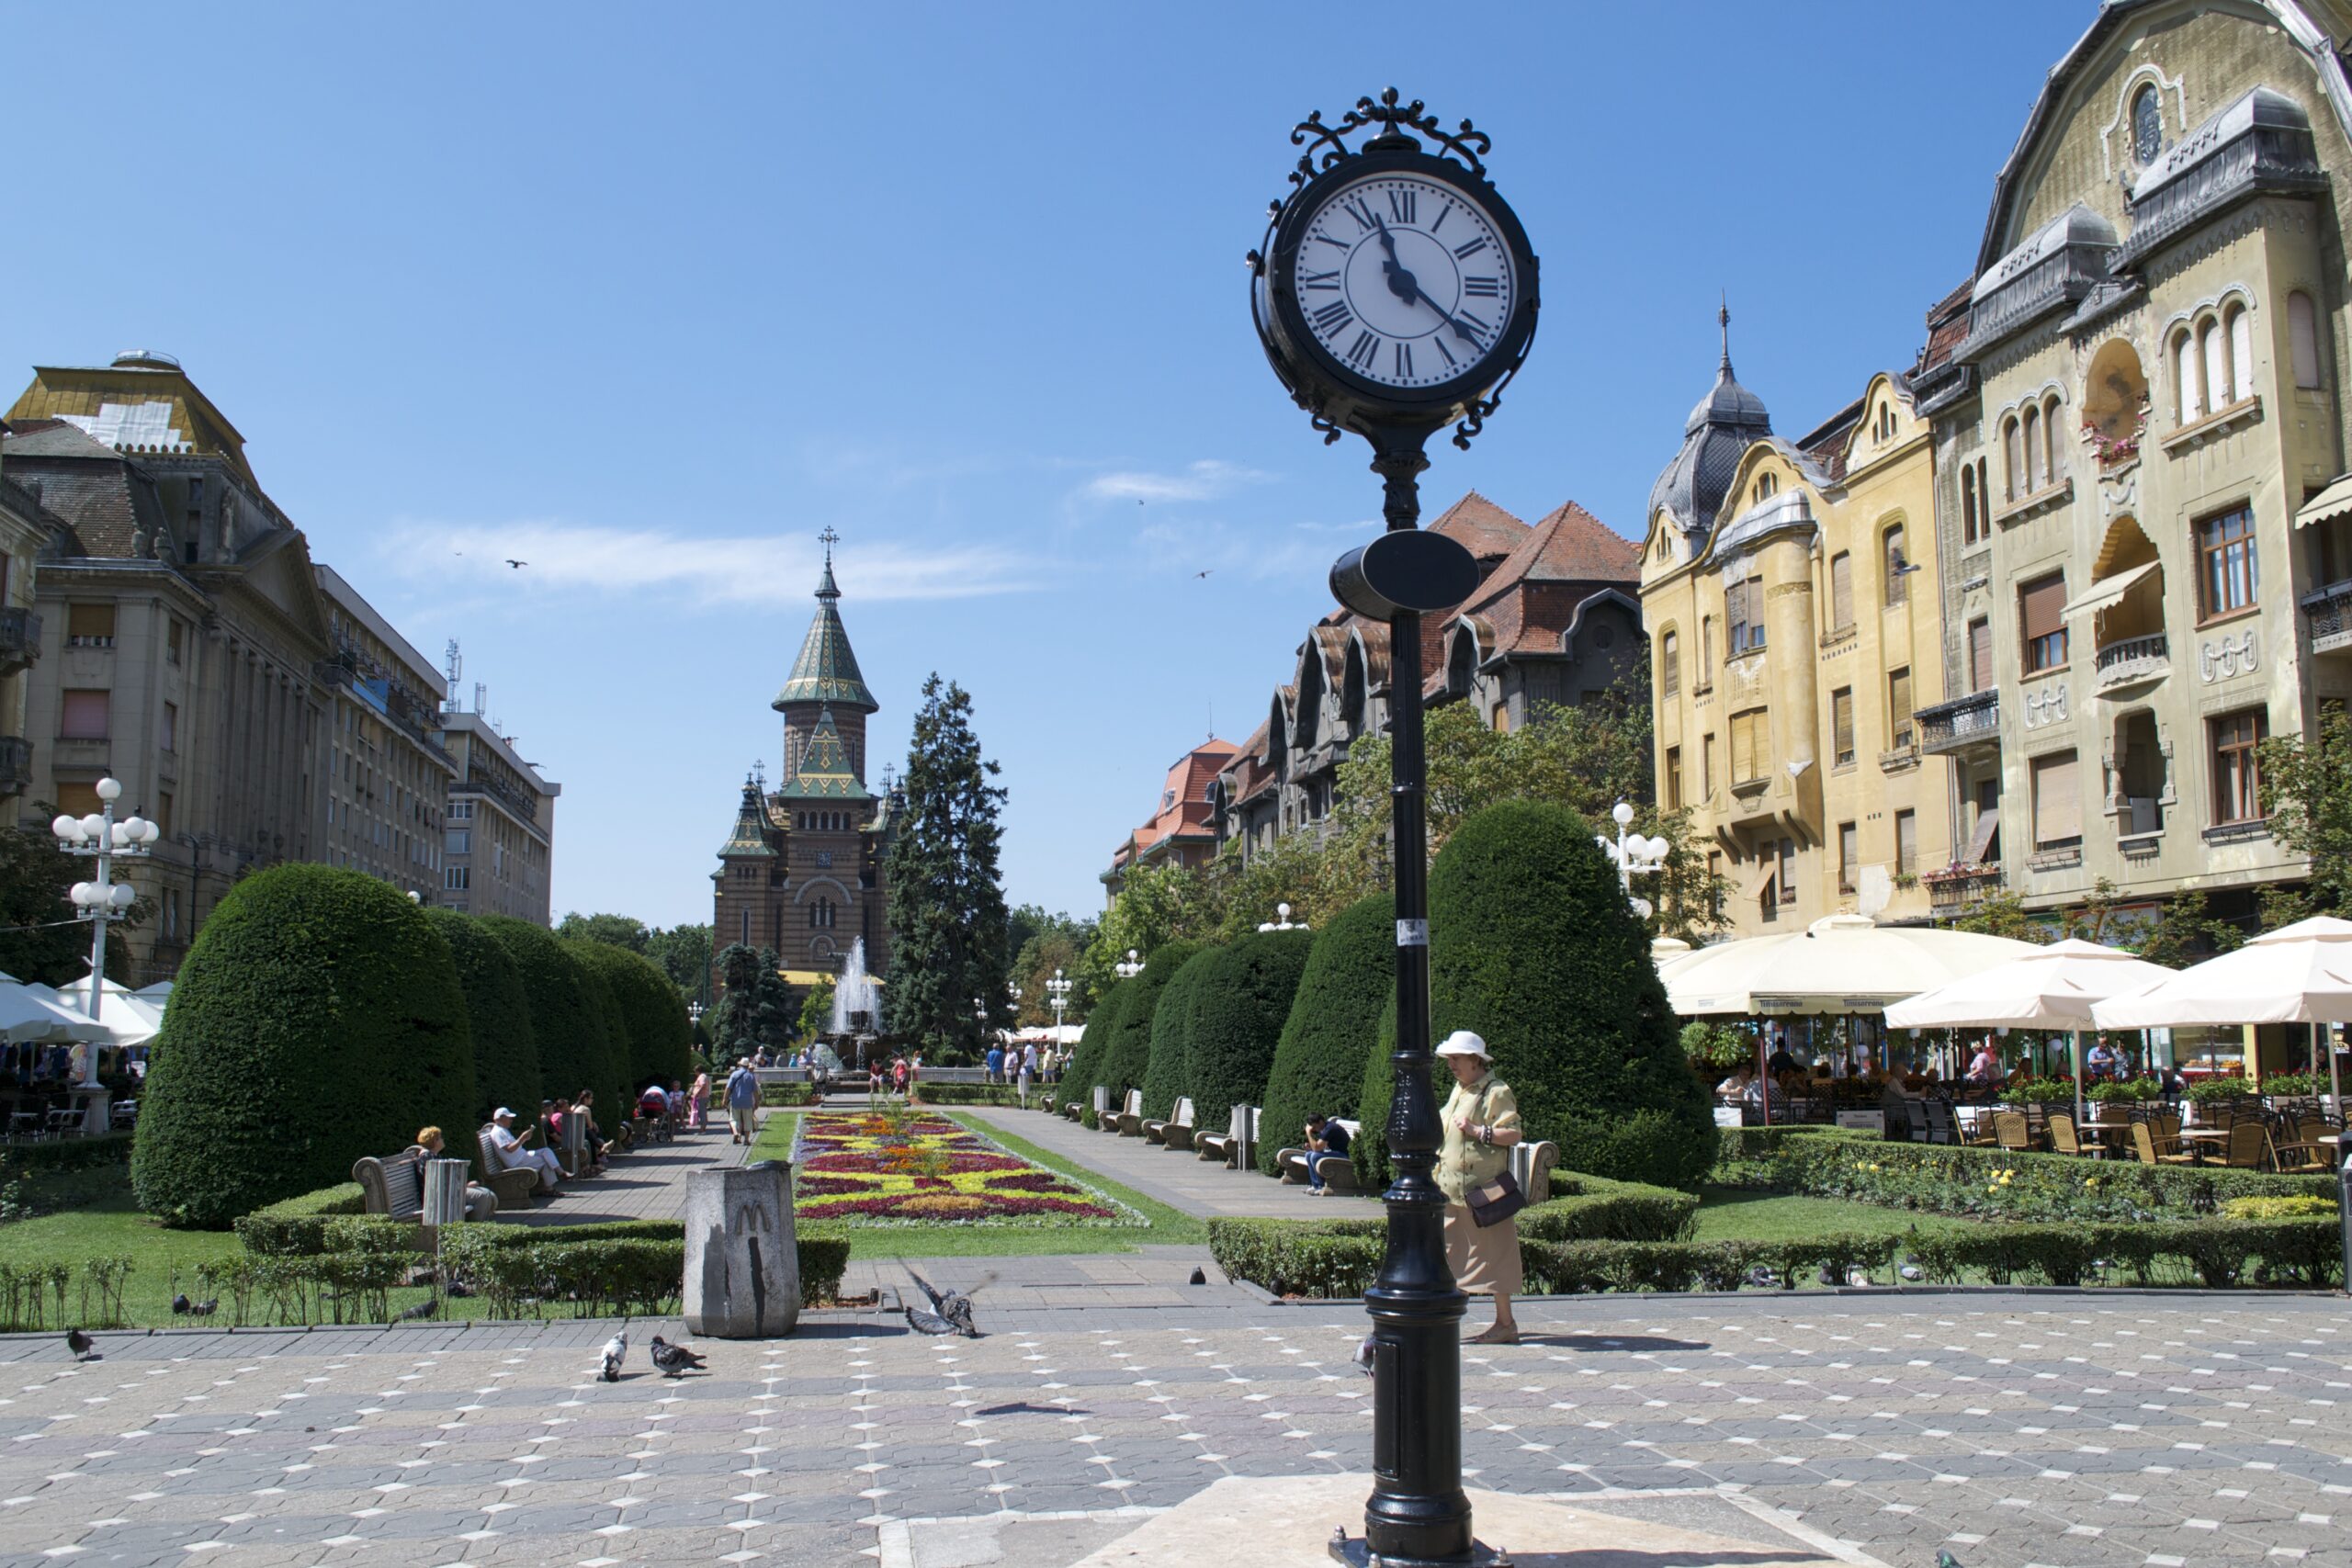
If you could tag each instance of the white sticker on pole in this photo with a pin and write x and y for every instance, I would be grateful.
(1412, 933)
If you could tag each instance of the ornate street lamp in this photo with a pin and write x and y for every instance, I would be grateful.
(1132, 967)
(1058, 989)
(1635, 856)
(1282, 921)
(101, 903)
(1396, 294)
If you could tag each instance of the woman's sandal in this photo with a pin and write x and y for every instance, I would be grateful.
(1496, 1335)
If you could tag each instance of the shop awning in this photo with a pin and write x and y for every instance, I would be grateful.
(2332, 501)
(2107, 591)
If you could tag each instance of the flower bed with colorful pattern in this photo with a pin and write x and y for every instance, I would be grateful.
(913, 1167)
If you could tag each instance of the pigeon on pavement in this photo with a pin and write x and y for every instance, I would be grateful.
(83, 1347)
(424, 1308)
(1362, 1358)
(673, 1360)
(1946, 1560)
(615, 1351)
(951, 1311)
(1762, 1276)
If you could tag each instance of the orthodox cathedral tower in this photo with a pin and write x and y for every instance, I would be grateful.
(801, 872)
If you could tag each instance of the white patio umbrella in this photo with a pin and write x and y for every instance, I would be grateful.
(1844, 964)
(128, 1017)
(26, 1015)
(2298, 974)
(2046, 988)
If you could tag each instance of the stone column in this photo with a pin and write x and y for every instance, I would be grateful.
(743, 1261)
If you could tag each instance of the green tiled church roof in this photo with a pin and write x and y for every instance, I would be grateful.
(827, 669)
(823, 771)
(750, 836)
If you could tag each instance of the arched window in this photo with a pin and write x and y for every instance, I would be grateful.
(2241, 324)
(1765, 487)
(2302, 337)
(1898, 569)
(2216, 358)
(2013, 461)
(2147, 124)
(2187, 383)
(2034, 477)
(1670, 662)
(1971, 528)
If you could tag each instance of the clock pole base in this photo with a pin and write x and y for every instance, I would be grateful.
(1356, 1552)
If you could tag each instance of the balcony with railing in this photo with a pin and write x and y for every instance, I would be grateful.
(19, 639)
(1960, 724)
(2328, 612)
(2133, 661)
(15, 764)
(1954, 888)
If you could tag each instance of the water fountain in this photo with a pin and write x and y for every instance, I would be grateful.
(856, 999)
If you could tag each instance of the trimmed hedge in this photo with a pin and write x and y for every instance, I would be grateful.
(318, 1017)
(1082, 1072)
(1329, 1040)
(1126, 1052)
(59, 1155)
(1243, 997)
(1992, 1184)
(1535, 948)
(653, 1032)
(298, 1226)
(605, 1065)
(571, 1040)
(498, 1013)
(2218, 1253)
(1173, 1022)
(972, 1094)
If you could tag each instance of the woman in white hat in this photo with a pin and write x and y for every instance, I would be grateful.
(1481, 1122)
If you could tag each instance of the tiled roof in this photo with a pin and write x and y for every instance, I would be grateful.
(822, 770)
(1183, 811)
(103, 496)
(827, 669)
(748, 837)
(1481, 526)
(1948, 321)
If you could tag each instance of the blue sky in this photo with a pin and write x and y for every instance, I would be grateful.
(648, 297)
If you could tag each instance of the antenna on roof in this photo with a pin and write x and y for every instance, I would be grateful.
(453, 664)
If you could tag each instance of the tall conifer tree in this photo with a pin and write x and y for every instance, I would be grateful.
(948, 921)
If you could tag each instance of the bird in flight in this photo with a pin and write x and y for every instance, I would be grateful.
(518, 564)
(952, 1310)
(1203, 574)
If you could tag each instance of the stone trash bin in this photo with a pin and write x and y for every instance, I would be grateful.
(743, 1259)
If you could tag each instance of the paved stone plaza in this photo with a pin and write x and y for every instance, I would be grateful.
(2010, 1428)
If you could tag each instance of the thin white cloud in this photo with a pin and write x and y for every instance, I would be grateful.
(1208, 479)
(745, 570)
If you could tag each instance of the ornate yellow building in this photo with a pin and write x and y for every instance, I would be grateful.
(1790, 594)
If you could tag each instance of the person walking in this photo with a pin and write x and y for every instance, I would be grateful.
(1481, 1121)
(743, 1100)
(700, 1100)
(1026, 1065)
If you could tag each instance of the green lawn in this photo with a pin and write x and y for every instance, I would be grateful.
(1168, 1226)
(1729, 1213)
(112, 1227)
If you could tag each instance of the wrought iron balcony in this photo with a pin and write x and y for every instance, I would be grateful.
(2134, 661)
(1962, 723)
(1955, 887)
(2330, 610)
(15, 764)
(19, 639)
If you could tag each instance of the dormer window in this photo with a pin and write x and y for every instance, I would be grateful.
(2147, 125)
(1766, 485)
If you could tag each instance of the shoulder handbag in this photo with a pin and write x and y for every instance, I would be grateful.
(1492, 1202)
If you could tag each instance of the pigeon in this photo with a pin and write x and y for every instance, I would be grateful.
(1828, 1275)
(1912, 1272)
(205, 1308)
(1199, 1278)
(1859, 1279)
(460, 1288)
(673, 1360)
(616, 1350)
(1762, 1276)
(424, 1308)
(1362, 1358)
(518, 565)
(180, 1304)
(951, 1311)
(83, 1347)
(1946, 1560)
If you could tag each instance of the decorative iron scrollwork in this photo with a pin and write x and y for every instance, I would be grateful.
(1466, 144)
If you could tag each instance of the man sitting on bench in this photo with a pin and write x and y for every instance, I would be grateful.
(1326, 1139)
(516, 1156)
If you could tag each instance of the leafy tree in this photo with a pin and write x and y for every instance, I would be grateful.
(2307, 791)
(758, 1008)
(40, 938)
(948, 923)
(1241, 1004)
(1166, 1077)
(817, 1011)
(498, 1015)
(1334, 1024)
(319, 1017)
(620, 930)
(683, 953)
(2002, 912)
(2185, 932)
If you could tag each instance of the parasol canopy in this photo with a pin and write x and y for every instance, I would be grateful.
(2045, 987)
(2298, 974)
(1843, 963)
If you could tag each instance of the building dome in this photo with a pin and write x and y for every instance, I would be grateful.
(1721, 426)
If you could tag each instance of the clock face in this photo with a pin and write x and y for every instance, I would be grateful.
(1403, 280)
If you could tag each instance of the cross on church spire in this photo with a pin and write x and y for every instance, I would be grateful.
(1722, 319)
(831, 539)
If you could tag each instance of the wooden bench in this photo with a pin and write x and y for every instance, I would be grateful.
(1338, 1172)
(394, 1187)
(1156, 1132)
(1530, 1167)
(522, 1181)
(1130, 1118)
(1241, 1135)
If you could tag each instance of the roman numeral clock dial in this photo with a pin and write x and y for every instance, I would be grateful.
(1404, 281)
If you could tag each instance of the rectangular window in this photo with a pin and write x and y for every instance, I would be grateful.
(1906, 843)
(174, 635)
(2226, 562)
(2057, 803)
(1674, 778)
(1715, 882)
(84, 716)
(1898, 569)
(2040, 615)
(1751, 745)
(1849, 855)
(171, 914)
(1788, 878)
(1744, 613)
(78, 799)
(89, 625)
(454, 879)
(1841, 591)
(1841, 725)
(171, 726)
(1899, 709)
(163, 814)
(2237, 770)
(461, 840)
(1669, 664)
(1706, 650)
(1707, 767)
(1980, 655)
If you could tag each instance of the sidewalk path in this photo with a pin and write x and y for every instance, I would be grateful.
(1177, 1178)
(649, 1183)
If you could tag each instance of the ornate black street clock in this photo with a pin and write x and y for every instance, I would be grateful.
(1396, 295)
(1397, 290)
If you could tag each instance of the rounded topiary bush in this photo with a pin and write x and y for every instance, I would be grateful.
(1126, 1052)
(649, 1016)
(605, 1067)
(1164, 1080)
(1334, 1024)
(564, 1026)
(1534, 946)
(1243, 1001)
(498, 1013)
(318, 1017)
(1079, 1074)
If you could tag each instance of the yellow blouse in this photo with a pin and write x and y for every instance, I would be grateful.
(1461, 1163)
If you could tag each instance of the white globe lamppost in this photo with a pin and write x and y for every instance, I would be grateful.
(1282, 921)
(101, 902)
(1058, 989)
(1634, 855)
(1132, 967)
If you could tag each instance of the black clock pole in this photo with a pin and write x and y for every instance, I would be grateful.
(1417, 1512)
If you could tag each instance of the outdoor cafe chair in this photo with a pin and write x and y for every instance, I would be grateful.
(2011, 1131)
(2249, 1144)
(1919, 1126)
(2143, 1144)
(2061, 1134)
(1943, 1127)
(2301, 1148)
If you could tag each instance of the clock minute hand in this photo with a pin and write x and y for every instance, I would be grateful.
(1461, 329)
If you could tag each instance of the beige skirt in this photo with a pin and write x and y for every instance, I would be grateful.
(1485, 1260)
